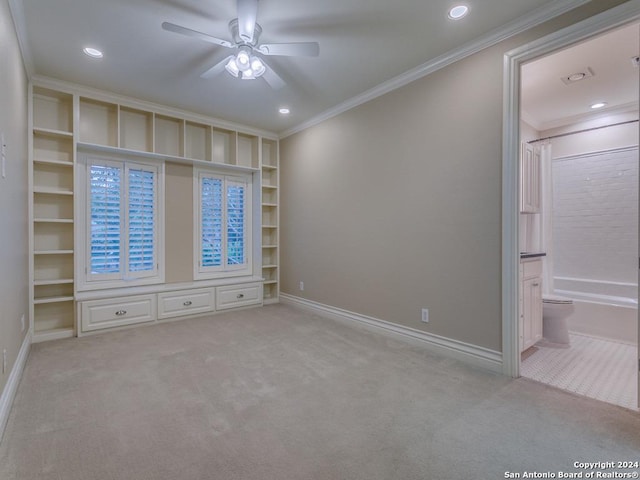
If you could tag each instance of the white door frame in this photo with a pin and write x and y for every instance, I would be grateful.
(623, 14)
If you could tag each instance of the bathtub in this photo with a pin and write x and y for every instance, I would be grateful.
(601, 308)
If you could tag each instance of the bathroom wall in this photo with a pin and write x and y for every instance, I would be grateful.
(596, 206)
(529, 223)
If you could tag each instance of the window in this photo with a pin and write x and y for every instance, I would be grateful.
(223, 218)
(122, 222)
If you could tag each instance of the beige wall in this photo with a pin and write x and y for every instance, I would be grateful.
(396, 205)
(13, 194)
(179, 223)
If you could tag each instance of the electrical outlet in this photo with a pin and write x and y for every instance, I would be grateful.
(22, 323)
(425, 315)
(4, 360)
(302, 286)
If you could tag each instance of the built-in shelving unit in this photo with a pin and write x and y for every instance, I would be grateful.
(51, 208)
(64, 119)
(270, 225)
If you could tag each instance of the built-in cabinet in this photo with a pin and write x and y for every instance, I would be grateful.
(530, 179)
(64, 118)
(530, 302)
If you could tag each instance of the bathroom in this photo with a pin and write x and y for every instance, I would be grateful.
(583, 230)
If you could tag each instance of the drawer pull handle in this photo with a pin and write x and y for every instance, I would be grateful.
(121, 312)
(240, 295)
(187, 303)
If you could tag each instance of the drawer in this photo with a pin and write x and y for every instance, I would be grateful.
(238, 295)
(532, 268)
(186, 302)
(116, 312)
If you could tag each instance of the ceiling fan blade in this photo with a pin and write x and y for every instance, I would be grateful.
(272, 78)
(247, 15)
(298, 49)
(172, 27)
(216, 69)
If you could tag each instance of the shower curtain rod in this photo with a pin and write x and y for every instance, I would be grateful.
(582, 131)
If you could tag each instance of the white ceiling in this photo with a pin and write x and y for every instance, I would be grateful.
(363, 43)
(547, 102)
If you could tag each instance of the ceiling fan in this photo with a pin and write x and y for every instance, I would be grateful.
(247, 63)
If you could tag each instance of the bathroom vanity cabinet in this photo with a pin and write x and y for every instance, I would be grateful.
(530, 302)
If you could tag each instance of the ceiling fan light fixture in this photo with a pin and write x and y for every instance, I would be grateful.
(248, 74)
(232, 67)
(243, 59)
(257, 66)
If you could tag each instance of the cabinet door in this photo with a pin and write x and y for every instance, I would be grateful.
(536, 309)
(529, 179)
(532, 312)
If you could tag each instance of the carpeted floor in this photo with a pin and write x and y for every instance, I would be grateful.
(277, 393)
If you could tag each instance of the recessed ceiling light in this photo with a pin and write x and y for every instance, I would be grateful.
(577, 76)
(595, 106)
(92, 52)
(458, 12)
(284, 111)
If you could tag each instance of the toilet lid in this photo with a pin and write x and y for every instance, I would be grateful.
(555, 299)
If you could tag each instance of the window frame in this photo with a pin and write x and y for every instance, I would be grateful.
(90, 281)
(224, 269)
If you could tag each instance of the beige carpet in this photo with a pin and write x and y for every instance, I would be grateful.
(277, 394)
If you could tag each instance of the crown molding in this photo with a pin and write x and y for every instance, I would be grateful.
(526, 22)
(17, 15)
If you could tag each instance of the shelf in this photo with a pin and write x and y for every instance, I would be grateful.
(136, 129)
(53, 220)
(274, 187)
(56, 147)
(169, 136)
(54, 316)
(269, 246)
(98, 122)
(269, 167)
(53, 334)
(197, 143)
(53, 252)
(49, 132)
(269, 204)
(45, 161)
(247, 153)
(269, 154)
(46, 205)
(42, 301)
(161, 156)
(270, 282)
(60, 281)
(51, 191)
(269, 226)
(52, 110)
(269, 266)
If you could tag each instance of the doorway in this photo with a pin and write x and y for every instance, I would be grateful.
(515, 225)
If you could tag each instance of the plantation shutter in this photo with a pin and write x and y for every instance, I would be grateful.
(211, 221)
(105, 191)
(142, 225)
(236, 228)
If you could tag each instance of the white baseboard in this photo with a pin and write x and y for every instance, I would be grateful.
(10, 389)
(471, 354)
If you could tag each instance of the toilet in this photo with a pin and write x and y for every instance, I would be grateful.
(555, 310)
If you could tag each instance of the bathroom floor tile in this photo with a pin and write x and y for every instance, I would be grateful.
(593, 367)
